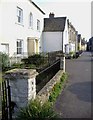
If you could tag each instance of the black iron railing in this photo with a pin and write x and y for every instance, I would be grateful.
(45, 75)
(6, 101)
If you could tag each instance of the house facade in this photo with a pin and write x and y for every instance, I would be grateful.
(79, 41)
(55, 34)
(90, 44)
(83, 44)
(21, 27)
(72, 33)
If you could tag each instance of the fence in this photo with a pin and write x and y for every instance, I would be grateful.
(6, 101)
(45, 75)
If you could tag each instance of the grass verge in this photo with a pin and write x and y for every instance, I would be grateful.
(58, 87)
(0, 77)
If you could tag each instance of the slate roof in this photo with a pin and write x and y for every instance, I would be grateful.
(54, 24)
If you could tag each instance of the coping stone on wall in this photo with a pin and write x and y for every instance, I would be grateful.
(20, 73)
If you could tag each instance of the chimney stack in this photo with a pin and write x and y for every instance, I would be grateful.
(51, 15)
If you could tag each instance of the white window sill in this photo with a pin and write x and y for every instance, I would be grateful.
(30, 28)
(38, 30)
(19, 55)
(19, 24)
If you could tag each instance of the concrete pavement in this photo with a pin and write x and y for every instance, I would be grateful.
(75, 100)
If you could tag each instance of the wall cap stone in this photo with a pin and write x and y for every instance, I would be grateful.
(20, 74)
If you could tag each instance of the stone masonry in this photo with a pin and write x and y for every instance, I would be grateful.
(23, 85)
(44, 93)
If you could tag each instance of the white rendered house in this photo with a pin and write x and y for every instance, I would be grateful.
(21, 25)
(55, 34)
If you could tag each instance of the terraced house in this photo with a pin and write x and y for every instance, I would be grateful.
(21, 27)
(79, 41)
(55, 34)
(59, 35)
(72, 37)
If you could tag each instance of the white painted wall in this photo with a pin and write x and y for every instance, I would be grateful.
(11, 31)
(52, 41)
(65, 38)
(71, 47)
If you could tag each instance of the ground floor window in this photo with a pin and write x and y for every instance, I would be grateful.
(5, 48)
(19, 46)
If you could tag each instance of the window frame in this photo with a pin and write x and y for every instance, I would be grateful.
(38, 24)
(31, 20)
(19, 15)
(20, 47)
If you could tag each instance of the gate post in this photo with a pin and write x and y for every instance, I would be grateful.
(62, 61)
(23, 88)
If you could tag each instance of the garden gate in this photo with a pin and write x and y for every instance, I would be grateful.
(6, 100)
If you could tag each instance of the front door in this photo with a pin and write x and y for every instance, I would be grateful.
(37, 46)
(30, 46)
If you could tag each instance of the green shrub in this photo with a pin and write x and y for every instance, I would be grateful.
(4, 61)
(36, 59)
(18, 65)
(36, 110)
(71, 53)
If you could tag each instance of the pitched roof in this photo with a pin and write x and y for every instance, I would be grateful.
(54, 24)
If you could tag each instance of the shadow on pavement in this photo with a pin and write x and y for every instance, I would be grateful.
(82, 90)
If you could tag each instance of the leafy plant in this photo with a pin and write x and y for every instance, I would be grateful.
(18, 65)
(57, 88)
(71, 53)
(36, 59)
(36, 110)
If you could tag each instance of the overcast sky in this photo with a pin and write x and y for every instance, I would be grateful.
(77, 11)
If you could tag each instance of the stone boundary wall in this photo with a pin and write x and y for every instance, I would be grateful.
(44, 93)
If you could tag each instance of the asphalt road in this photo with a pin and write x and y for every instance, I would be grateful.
(75, 100)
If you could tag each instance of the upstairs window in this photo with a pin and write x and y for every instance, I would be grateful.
(19, 46)
(31, 20)
(19, 15)
(38, 25)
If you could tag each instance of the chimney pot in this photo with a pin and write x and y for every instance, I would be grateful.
(51, 15)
